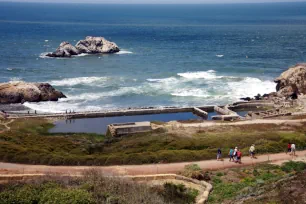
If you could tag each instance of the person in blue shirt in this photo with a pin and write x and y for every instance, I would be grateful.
(231, 155)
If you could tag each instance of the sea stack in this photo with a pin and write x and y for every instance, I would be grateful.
(91, 45)
(292, 82)
(20, 92)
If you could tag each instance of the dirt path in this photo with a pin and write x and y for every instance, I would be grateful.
(247, 122)
(6, 125)
(9, 168)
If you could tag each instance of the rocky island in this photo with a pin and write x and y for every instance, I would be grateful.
(91, 45)
(20, 92)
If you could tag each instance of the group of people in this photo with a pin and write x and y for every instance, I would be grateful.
(235, 155)
(291, 148)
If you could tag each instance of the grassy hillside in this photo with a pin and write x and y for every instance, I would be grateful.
(28, 141)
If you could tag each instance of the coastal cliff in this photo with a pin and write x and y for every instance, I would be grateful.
(20, 92)
(292, 82)
(91, 45)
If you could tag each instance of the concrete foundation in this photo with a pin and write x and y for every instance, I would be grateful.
(120, 129)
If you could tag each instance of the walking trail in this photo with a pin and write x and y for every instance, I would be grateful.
(247, 122)
(9, 169)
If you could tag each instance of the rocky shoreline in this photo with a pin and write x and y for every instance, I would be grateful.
(20, 92)
(289, 85)
(91, 45)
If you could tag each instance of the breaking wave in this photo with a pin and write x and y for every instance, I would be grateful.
(122, 52)
(210, 74)
(79, 81)
(189, 88)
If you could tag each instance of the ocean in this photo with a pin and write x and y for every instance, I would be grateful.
(172, 55)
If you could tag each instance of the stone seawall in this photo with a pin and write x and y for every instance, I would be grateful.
(111, 113)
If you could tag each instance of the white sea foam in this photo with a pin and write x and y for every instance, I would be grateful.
(219, 55)
(210, 74)
(190, 88)
(51, 106)
(194, 92)
(79, 81)
(62, 106)
(122, 52)
(250, 87)
(81, 55)
(165, 80)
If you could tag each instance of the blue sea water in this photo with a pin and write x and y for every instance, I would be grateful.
(172, 55)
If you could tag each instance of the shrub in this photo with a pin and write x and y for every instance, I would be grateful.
(179, 194)
(195, 172)
(72, 196)
(293, 166)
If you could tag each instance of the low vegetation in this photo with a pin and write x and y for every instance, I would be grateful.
(177, 193)
(93, 188)
(28, 141)
(259, 184)
(195, 172)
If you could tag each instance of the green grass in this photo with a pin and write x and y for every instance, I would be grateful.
(29, 142)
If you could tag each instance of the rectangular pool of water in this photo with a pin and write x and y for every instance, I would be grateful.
(99, 125)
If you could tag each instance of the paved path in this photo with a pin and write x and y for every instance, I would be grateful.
(9, 168)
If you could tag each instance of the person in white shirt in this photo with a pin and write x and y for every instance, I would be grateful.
(252, 151)
(293, 149)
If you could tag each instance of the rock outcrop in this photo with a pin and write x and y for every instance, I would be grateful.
(20, 92)
(64, 50)
(292, 82)
(91, 45)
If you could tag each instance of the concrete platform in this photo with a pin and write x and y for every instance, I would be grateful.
(120, 129)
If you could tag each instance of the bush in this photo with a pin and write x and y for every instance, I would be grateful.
(179, 194)
(25, 195)
(72, 196)
(195, 172)
(293, 166)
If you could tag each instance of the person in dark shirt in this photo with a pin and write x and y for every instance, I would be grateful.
(219, 154)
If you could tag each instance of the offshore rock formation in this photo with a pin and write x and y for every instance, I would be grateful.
(292, 82)
(20, 92)
(91, 45)
(64, 50)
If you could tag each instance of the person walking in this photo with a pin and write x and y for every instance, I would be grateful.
(231, 155)
(288, 147)
(219, 153)
(252, 151)
(239, 155)
(235, 153)
(293, 149)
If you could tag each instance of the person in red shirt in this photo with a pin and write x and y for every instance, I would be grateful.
(289, 148)
(239, 155)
